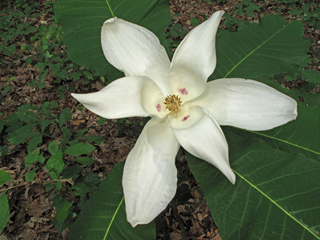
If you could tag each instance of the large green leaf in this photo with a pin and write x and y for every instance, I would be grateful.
(261, 50)
(81, 22)
(103, 216)
(299, 136)
(276, 195)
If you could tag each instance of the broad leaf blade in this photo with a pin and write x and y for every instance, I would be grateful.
(299, 136)
(4, 177)
(261, 50)
(81, 22)
(103, 216)
(276, 195)
(80, 148)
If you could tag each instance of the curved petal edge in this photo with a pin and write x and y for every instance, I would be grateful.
(120, 99)
(136, 51)
(206, 141)
(150, 175)
(247, 104)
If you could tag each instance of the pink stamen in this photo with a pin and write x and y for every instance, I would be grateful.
(185, 118)
(158, 107)
(183, 91)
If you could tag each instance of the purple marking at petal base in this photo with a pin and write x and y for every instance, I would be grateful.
(185, 118)
(158, 107)
(183, 91)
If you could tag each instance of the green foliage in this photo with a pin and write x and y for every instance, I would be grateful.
(301, 136)
(255, 60)
(233, 23)
(10, 50)
(64, 116)
(85, 161)
(55, 164)
(4, 177)
(30, 176)
(246, 8)
(63, 211)
(31, 158)
(308, 12)
(23, 125)
(91, 180)
(79, 148)
(5, 211)
(47, 39)
(13, 25)
(194, 21)
(80, 189)
(276, 195)
(311, 75)
(175, 35)
(71, 172)
(79, 34)
(32, 124)
(178, 31)
(106, 212)
(94, 138)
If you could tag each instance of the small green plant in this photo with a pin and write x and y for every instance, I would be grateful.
(29, 126)
(246, 7)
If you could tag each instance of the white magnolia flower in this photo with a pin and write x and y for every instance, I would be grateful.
(184, 109)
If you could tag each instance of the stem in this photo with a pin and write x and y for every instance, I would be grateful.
(110, 8)
(56, 180)
(19, 179)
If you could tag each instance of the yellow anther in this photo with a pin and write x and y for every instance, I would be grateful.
(172, 103)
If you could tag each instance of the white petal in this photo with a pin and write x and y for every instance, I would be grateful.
(186, 117)
(206, 141)
(150, 176)
(195, 59)
(136, 51)
(121, 98)
(247, 104)
(153, 101)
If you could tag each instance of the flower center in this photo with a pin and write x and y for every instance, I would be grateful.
(172, 103)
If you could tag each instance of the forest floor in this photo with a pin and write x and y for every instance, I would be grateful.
(32, 215)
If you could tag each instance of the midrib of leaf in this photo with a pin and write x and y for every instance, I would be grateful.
(281, 140)
(112, 219)
(276, 204)
(256, 49)
(110, 8)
